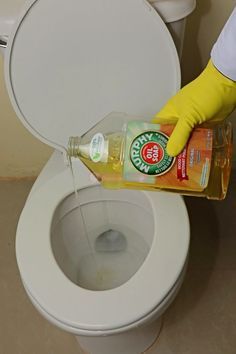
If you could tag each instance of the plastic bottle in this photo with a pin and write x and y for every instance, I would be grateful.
(126, 153)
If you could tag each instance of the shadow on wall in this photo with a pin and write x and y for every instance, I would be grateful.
(203, 300)
(203, 256)
(192, 63)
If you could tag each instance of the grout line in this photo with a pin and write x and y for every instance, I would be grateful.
(17, 179)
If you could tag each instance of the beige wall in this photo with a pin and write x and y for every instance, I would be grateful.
(23, 155)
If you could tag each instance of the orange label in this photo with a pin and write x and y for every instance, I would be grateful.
(146, 159)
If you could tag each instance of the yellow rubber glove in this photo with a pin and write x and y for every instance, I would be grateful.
(210, 97)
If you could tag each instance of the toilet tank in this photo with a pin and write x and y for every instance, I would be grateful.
(174, 14)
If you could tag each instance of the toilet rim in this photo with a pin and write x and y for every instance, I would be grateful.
(135, 298)
(156, 313)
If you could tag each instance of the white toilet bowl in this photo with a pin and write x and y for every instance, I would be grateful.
(67, 65)
(120, 292)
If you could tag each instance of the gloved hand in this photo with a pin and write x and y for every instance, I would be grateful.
(210, 97)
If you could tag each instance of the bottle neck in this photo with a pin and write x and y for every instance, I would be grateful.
(73, 146)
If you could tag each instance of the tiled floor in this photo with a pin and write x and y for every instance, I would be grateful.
(202, 319)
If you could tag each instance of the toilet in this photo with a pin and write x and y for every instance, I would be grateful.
(67, 65)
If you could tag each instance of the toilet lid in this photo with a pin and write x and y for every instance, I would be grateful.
(85, 311)
(70, 63)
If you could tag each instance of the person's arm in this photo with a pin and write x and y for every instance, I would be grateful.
(211, 96)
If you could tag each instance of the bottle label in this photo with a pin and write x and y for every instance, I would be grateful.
(96, 148)
(146, 159)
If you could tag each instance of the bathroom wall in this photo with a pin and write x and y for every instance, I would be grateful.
(21, 155)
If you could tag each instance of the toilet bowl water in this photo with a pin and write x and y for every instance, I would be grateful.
(110, 241)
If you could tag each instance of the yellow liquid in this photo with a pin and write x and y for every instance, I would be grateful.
(110, 173)
(220, 166)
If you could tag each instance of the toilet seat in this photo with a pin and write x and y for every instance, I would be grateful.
(68, 64)
(136, 298)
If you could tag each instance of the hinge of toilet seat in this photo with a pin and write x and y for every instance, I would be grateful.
(3, 41)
